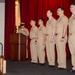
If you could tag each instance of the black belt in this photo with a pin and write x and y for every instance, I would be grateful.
(33, 38)
(47, 34)
(56, 34)
(70, 34)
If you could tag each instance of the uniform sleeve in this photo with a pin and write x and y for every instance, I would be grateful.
(36, 32)
(33, 33)
(65, 21)
(54, 24)
(27, 32)
(20, 31)
(44, 30)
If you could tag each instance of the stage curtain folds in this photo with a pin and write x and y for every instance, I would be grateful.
(31, 9)
(35, 9)
(9, 23)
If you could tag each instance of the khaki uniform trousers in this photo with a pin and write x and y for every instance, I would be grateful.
(41, 51)
(72, 48)
(33, 49)
(50, 50)
(61, 51)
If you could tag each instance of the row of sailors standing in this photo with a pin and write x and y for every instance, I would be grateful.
(55, 32)
(46, 37)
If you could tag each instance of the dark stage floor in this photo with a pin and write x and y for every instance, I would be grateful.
(26, 68)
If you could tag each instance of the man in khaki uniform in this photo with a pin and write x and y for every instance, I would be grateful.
(33, 43)
(71, 40)
(25, 32)
(61, 38)
(50, 38)
(41, 41)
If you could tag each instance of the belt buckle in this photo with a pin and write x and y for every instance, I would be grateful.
(46, 34)
(56, 34)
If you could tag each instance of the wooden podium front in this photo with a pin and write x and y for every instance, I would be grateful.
(17, 46)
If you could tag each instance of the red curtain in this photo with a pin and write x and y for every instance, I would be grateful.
(30, 9)
(9, 23)
(34, 9)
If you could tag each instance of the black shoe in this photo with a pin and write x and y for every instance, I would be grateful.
(33, 63)
(72, 70)
(50, 66)
(42, 64)
(60, 68)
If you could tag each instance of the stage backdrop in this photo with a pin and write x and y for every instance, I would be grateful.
(31, 9)
(2, 25)
(35, 9)
(9, 23)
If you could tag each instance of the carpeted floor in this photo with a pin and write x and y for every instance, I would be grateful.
(26, 68)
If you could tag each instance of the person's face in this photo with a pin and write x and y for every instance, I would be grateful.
(72, 8)
(32, 23)
(49, 14)
(40, 22)
(59, 12)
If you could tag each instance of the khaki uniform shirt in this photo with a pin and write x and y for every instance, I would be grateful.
(50, 25)
(33, 32)
(24, 31)
(61, 22)
(41, 32)
(72, 24)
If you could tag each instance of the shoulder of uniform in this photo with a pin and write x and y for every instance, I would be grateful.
(36, 27)
(54, 20)
(43, 26)
(74, 16)
(66, 17)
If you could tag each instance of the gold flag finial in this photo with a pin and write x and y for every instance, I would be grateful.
(17, 14)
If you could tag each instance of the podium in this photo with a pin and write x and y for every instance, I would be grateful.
(17, 46)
